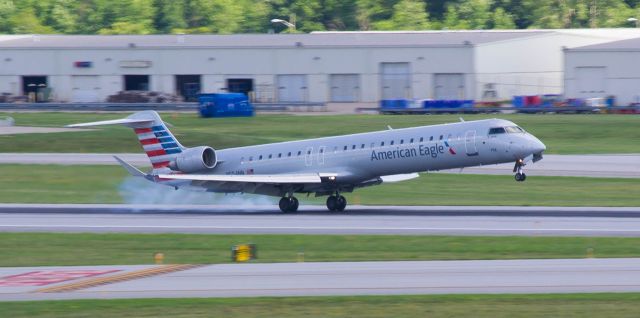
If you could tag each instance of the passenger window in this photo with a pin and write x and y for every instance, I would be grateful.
(280, 155)
(321, 150)
(289, 154)
(269, 156)
(362, 146)
(260, 158)
(391, 143)
(382, 144)
(345, 148)
(308, 152)
(353, 147)
(299, 152)
(401, 141)
(441, 137)
(431, 138)
(496, 130)
(411, 141)
(421, 139)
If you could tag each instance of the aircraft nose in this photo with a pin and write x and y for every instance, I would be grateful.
(537, 146)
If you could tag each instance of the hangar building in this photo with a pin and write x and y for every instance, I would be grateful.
(601, 70)
(328, 67)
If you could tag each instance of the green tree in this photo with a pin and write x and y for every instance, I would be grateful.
(407, 15)
(62, 17)
(502, 20)
(169, 15)
(7, 10)
(26, 22)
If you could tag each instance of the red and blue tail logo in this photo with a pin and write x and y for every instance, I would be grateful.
(159, 144)
(451, 151)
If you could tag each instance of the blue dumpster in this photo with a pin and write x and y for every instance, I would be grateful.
(224, 105)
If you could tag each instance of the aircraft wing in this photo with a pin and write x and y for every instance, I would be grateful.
(252, 178)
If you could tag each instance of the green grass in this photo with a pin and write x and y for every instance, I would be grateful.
(53, 249)
(104, 184)
(493, 306)
(563, 134)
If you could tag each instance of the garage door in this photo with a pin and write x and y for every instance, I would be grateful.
(396, 80)
(449, 86)
(292, 88)
(345, 88)
(591, 81)
(85, 88)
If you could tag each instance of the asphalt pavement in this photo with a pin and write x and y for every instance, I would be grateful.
(398, 220)
(344, 278)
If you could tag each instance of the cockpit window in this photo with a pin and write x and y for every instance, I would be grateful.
(514, 129)
(496, 130)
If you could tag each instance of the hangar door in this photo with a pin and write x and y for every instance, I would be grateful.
(292, 88)
(85, 88)
(396, 80)
(591, 81)
(345, 88)
(449, 86)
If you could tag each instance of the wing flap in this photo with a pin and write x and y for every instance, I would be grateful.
(399, 177)
(254, 178)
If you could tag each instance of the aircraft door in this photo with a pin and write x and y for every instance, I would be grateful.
(470, 143)
(308, 157)
(321, 151)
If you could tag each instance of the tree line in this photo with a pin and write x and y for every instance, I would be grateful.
(253, 16)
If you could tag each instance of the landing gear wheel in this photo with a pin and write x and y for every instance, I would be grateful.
(288, 205)
(342, 203)
(332, 203)
(521, 177)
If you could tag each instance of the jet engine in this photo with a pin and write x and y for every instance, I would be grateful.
(194, 159)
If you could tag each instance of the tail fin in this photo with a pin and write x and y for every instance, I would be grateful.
(154, 136)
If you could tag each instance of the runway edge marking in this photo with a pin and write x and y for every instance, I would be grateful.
(148, 272)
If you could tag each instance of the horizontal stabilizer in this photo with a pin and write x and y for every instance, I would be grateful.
(252, 178)
(129, 122)
(399, 177)
(131, 169)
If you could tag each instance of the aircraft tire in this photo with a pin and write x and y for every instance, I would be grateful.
(285, 204)
(342, 203)
(293, 204)
(520, 177)
(332, 203)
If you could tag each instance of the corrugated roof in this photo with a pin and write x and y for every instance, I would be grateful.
(624, 45)
(321, 39)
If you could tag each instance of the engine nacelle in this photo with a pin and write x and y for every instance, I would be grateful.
(194, 159)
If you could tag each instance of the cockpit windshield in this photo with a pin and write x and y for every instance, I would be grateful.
(503, 130)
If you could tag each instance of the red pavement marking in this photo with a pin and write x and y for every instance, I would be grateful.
(41, 278)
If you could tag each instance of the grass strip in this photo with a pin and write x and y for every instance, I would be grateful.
(563, 134)
(110, 184)
(53, 249)
(494, 306)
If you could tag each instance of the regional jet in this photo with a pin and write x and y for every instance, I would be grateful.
(327, 166)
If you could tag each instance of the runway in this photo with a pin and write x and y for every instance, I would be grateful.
(344, 278)
(527, 221)
(614, 166)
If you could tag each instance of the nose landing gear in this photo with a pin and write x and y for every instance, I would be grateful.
(336, 203)
(520, 176)
(288, 204)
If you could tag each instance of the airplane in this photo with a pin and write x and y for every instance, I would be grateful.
(327, 166)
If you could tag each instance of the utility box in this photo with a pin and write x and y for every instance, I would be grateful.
(224, 105)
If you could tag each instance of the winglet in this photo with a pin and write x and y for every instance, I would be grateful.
(131, 169)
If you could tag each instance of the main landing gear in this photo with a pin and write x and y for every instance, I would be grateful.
(336, 203)
(289, 204)
(520, 176)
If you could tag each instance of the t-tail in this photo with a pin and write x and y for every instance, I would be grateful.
(161, 146)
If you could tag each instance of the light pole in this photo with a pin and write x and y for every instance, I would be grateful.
(286, 23)
(633, 20)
